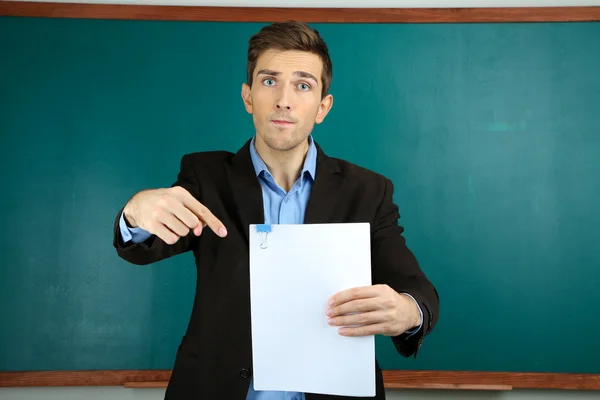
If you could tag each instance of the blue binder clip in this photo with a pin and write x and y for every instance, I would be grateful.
(263, 230)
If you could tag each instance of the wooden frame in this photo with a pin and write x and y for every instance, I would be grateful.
(264, 14)
(393, 379)
(462, 380)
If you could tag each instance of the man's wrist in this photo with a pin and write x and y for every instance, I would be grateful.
(415, 313)
(129, 220)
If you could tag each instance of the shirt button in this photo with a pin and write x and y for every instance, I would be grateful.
(245, 373)
(286, 199)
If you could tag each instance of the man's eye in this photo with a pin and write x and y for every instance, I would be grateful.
(269, 82)
(304, 86)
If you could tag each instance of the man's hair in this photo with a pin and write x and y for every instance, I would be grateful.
(290, 35)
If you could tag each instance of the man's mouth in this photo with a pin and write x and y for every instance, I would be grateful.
(282, 122)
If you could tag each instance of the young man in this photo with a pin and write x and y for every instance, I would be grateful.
(280, 176)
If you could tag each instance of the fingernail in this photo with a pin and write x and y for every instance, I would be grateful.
(329, 311)
(331, 321)
(223, 232)
(342, 331)
(331, 302)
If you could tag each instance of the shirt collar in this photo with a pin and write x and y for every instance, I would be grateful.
(310, 163)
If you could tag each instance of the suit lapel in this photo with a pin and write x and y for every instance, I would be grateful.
(247, 193)
(246, 189)
(326, 191)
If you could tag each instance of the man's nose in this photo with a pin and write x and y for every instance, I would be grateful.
(283, 100)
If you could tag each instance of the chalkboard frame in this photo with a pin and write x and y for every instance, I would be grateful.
(272, 14)
(463, 380)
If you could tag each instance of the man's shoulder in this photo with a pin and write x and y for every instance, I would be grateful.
(359, 173)
(209, 157)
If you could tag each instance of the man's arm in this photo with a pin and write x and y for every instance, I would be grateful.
(396, 266)
(173, 217)
(394, 304)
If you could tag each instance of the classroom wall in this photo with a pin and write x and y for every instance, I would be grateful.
(119, 393)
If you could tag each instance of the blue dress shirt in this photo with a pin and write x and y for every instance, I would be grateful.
(279, 208)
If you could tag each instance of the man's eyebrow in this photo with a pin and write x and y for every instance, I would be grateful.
(301, 74)
(268, 72)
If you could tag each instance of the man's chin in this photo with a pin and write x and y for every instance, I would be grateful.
(281, 143)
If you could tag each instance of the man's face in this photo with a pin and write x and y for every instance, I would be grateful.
(285, 97)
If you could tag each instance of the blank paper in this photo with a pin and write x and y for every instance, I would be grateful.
(291, 281)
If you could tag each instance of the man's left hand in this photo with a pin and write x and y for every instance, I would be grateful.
(377, 309)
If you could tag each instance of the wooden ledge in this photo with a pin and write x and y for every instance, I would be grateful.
(440, 386)
(454, 380)
(142, 385)
(311, 15)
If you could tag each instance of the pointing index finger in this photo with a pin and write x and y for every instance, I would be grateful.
(204, 214)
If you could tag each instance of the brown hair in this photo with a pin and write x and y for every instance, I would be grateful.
(290, 35)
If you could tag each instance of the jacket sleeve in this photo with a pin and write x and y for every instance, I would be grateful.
(394, 264)
(154, 249)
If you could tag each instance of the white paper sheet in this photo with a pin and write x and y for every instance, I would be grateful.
(291, 280)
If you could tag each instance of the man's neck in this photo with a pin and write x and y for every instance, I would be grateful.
(285, 166)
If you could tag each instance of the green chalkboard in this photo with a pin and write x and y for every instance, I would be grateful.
(490, 133)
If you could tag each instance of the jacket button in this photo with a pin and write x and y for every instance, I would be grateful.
(245, 373)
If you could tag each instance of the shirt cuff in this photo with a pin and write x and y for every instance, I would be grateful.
(135, 235)
(415, 330)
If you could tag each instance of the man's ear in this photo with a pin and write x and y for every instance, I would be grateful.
(247, 97)
(324, 108)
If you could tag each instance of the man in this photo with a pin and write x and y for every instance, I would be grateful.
(280, 176)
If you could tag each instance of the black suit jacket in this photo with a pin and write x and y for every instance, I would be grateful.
(214, 359)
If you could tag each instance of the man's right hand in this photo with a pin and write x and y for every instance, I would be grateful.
(170, 214)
